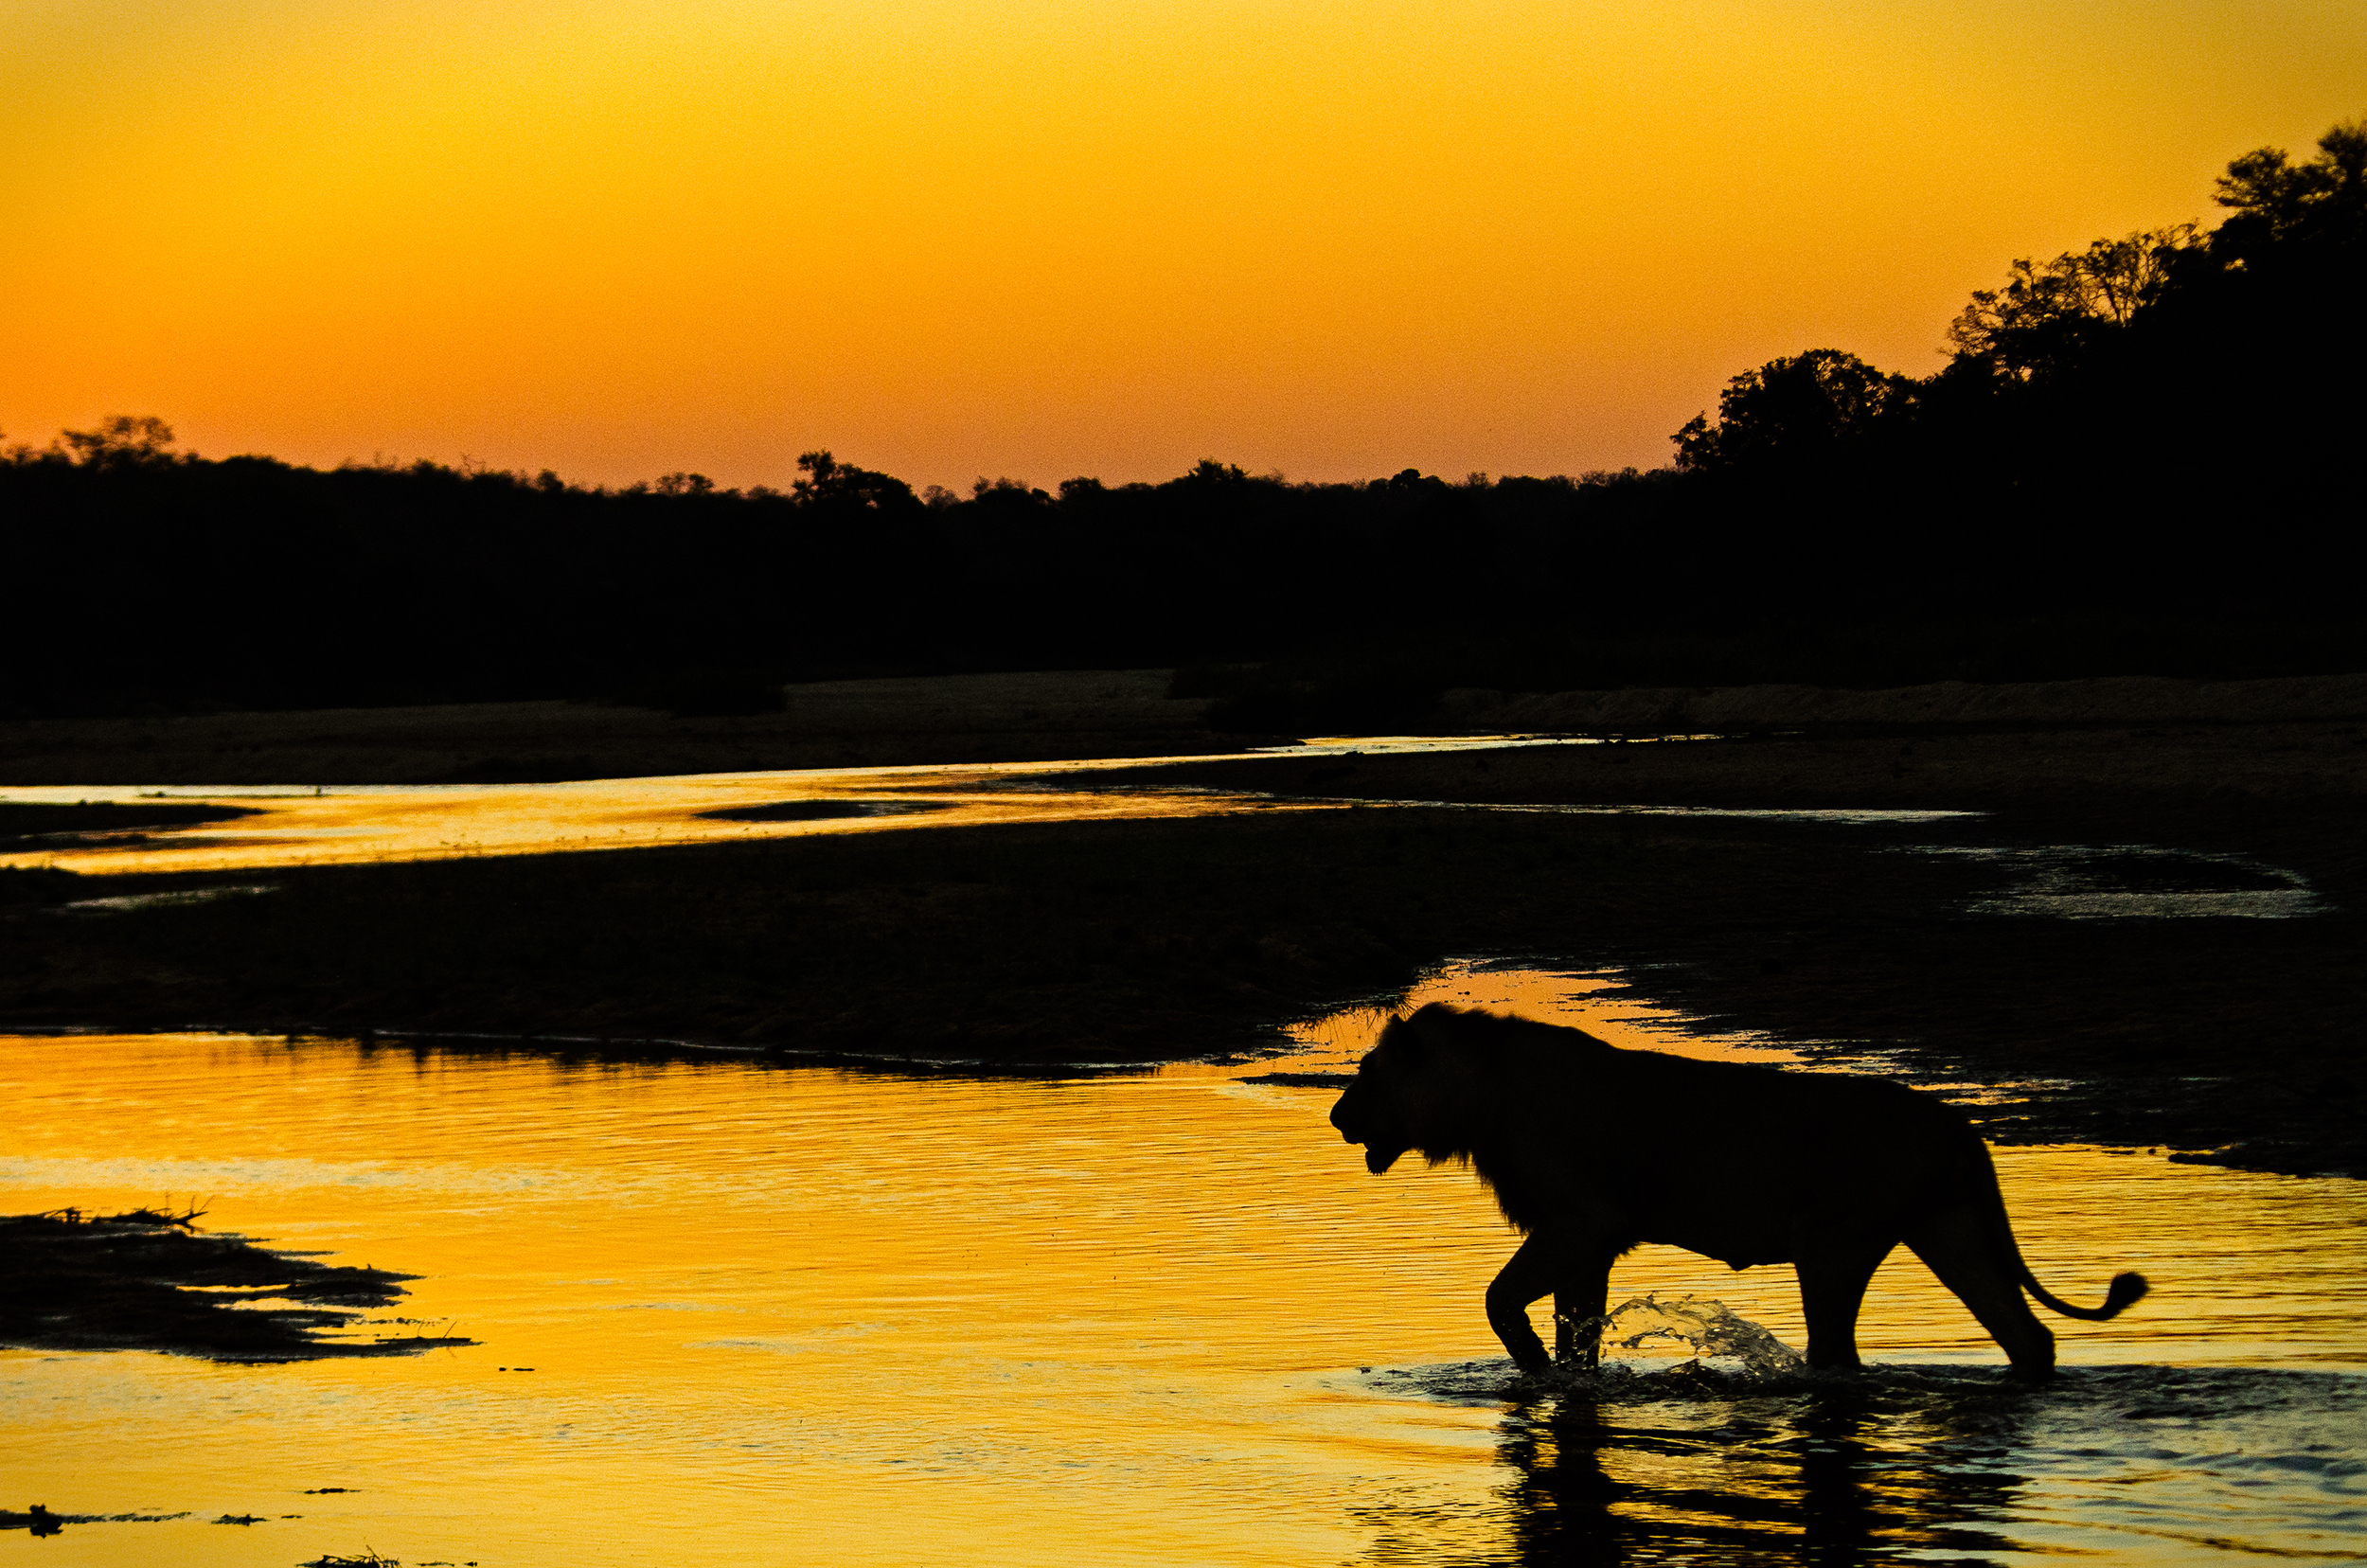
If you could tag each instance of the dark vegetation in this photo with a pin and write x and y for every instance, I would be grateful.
(146, 1280)
(1034, 948)
(2137, 460)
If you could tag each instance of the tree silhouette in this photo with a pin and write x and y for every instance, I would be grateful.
(120, 440)
(837, 486)
(1789, 415)
(2272, 199)
(2051, 314)
(2011, 517)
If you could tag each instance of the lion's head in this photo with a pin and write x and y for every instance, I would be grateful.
(1393, 1105)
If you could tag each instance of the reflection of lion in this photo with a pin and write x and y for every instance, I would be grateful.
(1592, 1149)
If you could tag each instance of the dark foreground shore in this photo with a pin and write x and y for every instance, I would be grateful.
(1047, 948)
(150, 1281)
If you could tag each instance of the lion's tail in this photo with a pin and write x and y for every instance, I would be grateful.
(2127, 1289)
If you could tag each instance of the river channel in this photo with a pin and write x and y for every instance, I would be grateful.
(729, 1312)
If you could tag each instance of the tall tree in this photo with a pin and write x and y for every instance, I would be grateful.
(1789, 415)
(120, 440)
(2051, 317)
(2273, 200)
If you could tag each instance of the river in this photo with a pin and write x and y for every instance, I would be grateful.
(729, 1312)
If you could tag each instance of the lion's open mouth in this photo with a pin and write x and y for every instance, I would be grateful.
(1378, 1159)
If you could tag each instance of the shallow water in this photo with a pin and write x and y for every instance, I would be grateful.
(293, 826)
(382, 822)
(374, 821)
(801, 1314)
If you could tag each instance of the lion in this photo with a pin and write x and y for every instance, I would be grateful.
(1591, 1150)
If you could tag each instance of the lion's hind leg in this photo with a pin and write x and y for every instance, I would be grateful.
(1832, 1287)
(1960, 1245)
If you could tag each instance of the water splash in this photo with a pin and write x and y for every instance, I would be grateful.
(1704, 1326)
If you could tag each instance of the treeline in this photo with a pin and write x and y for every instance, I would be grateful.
(180, 583)
(2139, 459)
(2097, 402)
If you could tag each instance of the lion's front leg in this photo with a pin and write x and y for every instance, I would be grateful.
(1533, 1271)
(1583, 1295)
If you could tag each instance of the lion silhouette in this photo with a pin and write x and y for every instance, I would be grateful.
(1591, 1150)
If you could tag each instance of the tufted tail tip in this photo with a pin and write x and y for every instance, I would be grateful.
(2127, 1290)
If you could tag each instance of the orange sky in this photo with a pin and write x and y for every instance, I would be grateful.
(1046, 237)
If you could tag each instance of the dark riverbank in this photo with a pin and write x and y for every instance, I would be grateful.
(1034, 948)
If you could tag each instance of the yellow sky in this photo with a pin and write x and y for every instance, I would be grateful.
(1046, 237)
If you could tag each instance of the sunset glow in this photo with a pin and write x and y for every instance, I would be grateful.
(947, 238)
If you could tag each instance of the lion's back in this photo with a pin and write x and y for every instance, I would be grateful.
(1558, 1110)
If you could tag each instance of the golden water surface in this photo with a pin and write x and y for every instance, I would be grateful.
(379, 821)
(376, 822)
(295, 826)
(731, 1313)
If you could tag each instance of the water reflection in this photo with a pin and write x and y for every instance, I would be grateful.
(1914, 1463)
(1827, 1479)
